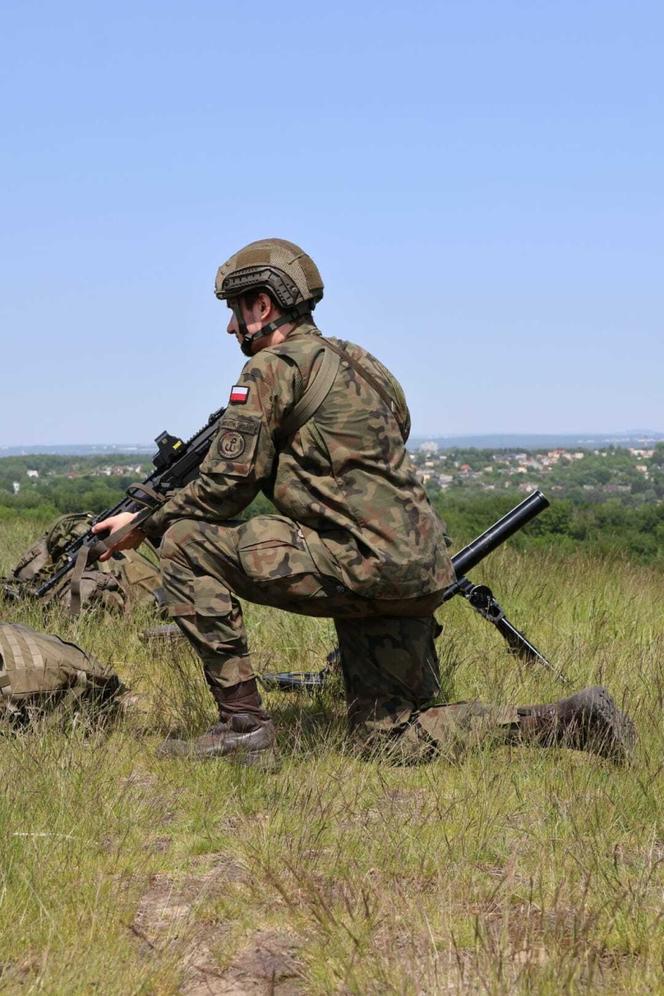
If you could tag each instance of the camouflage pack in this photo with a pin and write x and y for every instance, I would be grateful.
(128, 579)
(39, 671)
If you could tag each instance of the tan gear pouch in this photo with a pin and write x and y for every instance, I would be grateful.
(49, 548)
(36, 666)
(99, 590)
(32, 562)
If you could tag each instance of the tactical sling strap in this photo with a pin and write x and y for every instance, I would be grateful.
(141, 493)
(315, 394)
(320, 385)
(373, 382)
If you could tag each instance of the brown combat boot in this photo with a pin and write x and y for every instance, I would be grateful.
(589, 720)
(245, 733)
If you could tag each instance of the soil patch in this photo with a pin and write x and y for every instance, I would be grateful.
(267, 965)
(166, 918)
(170, 901)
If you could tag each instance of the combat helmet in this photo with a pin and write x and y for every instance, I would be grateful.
(278, 267)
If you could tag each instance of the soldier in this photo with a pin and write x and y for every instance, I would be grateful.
(320, 426)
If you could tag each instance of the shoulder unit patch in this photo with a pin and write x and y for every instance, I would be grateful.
(231, 445)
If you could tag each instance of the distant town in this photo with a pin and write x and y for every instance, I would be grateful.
(637, 438)
(625, 472)
(632, 474)
(77, 469)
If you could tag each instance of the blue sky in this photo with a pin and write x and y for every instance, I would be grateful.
(480, 183)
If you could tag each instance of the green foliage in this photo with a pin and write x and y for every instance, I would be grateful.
(83, 493)
(657, 459)
(55, 493)
(610, 528)
(50, 465)
(617, 526)
(261, 505)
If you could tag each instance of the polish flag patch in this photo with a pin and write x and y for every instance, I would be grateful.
(239, 395)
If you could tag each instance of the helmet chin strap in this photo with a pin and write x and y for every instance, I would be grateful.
(249, 338)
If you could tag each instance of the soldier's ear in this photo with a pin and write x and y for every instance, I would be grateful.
(267, 306)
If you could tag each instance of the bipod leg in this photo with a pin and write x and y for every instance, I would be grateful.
(483, 601)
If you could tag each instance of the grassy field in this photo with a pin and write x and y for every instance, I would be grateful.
(515, 870)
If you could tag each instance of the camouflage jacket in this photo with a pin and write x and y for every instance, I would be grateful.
(345, 476)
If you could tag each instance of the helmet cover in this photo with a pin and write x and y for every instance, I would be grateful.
(282, 268)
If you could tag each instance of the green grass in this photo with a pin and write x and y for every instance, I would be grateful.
(515, 870)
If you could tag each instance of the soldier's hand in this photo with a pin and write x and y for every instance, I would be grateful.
(112, 525)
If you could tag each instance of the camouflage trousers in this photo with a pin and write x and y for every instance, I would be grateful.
(388, 653)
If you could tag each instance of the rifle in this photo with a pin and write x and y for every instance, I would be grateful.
(479, 596)
(176, 463)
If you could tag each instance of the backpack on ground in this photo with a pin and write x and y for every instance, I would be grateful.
(128, 579)
(39, 671)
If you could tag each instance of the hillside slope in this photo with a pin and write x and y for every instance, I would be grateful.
(511, 870)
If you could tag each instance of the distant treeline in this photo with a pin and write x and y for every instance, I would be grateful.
(88, 488)
(609, 527)
(59, 494)
(49, 497)
(15, 468)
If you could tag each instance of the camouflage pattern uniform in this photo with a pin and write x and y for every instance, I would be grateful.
(356, 538)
